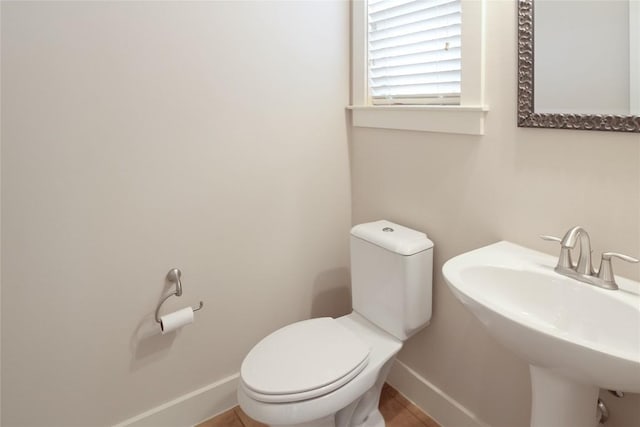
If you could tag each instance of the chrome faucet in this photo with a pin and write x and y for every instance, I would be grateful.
(583, 270)
(569, 242)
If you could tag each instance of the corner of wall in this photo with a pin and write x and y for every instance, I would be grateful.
(428, 397)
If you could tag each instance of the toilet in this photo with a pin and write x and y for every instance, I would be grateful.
(327, 372)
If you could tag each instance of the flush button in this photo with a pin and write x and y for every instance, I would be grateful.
(387, 230)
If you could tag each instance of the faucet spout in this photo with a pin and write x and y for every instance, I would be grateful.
(569, 241)
(584, 271)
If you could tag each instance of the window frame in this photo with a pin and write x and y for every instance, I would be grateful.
(465, 118)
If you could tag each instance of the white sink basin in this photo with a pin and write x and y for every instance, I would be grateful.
(575, 336)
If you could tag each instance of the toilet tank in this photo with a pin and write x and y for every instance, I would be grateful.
(391, 276)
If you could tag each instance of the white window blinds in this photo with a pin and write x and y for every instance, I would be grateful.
(414, 51)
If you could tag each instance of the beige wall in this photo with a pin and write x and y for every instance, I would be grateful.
(141, 136)
(511, 184)
(211, 136)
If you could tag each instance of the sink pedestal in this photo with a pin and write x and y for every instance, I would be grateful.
(557, 401)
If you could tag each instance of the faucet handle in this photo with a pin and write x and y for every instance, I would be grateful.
(605, 272)
(564, 260)
(609, 255)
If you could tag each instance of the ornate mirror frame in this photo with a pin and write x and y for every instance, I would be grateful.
(527, 117)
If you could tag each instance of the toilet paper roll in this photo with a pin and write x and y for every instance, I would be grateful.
(172, 321)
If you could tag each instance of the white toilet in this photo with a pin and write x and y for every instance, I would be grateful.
(329, 372)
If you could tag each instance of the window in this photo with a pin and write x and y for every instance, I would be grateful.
(418, 65)
(414, 51)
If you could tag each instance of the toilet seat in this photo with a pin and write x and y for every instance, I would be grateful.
(383, 348)
(303, 360)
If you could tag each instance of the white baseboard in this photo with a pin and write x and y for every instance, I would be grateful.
(433, 401)
(191, 408)
(206, 402)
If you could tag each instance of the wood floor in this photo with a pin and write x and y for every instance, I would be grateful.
(395, 408)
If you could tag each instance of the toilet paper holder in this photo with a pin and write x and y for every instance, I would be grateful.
(173, 276)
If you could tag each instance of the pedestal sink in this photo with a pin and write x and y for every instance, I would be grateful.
(576, 337)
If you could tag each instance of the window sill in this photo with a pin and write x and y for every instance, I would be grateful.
(466, 120)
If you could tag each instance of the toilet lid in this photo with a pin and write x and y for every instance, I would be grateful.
(307, 358)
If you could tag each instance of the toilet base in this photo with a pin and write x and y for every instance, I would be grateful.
(374, 420)
(324, 422)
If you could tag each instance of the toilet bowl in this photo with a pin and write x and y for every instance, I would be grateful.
(293, 409)
(328, 372)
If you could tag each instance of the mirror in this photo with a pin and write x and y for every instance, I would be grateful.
(586, 73)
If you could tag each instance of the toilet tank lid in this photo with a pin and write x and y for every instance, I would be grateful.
(392, 237)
